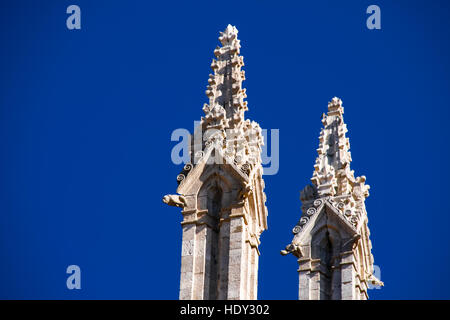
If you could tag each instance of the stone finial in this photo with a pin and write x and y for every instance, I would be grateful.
(332, 174)
(228, 35)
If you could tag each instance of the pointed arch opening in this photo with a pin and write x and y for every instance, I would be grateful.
(326, 248)
(211, 200)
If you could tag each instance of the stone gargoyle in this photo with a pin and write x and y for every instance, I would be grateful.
(175, 200)
(295, 249)
(375, 281)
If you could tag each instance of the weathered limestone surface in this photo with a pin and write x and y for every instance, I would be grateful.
(222, 191)
(331, 239)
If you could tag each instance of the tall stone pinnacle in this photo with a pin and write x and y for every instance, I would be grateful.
(240, 139)
(332, 174)
(221, 191)
(331, 239)
(225, 86)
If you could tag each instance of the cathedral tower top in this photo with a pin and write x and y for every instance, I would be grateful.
(224, 123)
(221, 190)
(331, 239)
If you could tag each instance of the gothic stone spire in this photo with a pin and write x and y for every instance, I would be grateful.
(332, 174)
(224, 123)
(331, 239)
(222, 191)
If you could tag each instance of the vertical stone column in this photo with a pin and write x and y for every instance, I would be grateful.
(314, 285)
(187, 262)
(236, 260)
(305, 275)
(245, 266)
(210, 286)
(200, 277)
(336, 283)
(248, 282)
(304, 287)
(348, 274)
(224, 245)
(253, 274)
(325, 287)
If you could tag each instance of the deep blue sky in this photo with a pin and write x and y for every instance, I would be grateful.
(86, 118)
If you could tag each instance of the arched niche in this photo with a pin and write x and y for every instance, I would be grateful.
(212, 199)
(211, 195)
(326, 246)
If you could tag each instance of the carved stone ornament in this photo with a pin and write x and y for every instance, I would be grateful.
(311, 211)
(292, 248)
(175, 200)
